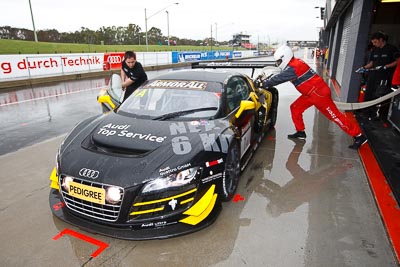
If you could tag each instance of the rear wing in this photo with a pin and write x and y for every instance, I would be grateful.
(233, 65)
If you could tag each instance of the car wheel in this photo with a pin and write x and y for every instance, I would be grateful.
(230, 179)
(273, 112)
(261, 120)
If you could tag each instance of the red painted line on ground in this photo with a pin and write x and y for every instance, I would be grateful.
(102, 246)
(387, 204)
(383, 194)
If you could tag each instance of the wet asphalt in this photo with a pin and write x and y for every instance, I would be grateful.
(301, 203)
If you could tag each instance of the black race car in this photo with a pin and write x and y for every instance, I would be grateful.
(160, 164)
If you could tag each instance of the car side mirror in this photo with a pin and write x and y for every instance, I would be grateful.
(245, 105)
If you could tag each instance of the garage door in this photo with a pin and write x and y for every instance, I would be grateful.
(343, 45)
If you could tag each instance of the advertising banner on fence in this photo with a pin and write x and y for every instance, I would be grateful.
(15, 67)
(178, 57)
(27, 66)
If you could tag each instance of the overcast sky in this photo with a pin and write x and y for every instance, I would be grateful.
(265, 20)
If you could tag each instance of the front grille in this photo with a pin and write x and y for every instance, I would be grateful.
(106, 212)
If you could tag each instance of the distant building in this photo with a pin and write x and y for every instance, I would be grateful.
(242, 40)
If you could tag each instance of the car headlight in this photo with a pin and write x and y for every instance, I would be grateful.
(173, 180)
(65, 182)
(58, 162)
(113, 194)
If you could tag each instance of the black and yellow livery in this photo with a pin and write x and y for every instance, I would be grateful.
(160, 164)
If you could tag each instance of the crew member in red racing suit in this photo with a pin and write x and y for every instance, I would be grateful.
(314, 92)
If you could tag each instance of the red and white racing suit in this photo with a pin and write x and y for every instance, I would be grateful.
(314, 92)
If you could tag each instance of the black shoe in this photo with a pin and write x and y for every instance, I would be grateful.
(298, 134)
(358, 141)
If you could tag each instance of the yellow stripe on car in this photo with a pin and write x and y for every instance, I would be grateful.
(164, 199)
(202, 208)
(146, 211)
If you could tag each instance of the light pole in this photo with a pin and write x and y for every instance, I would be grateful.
(33, 22)
(167, 25)
(216, 32)
(147, 18)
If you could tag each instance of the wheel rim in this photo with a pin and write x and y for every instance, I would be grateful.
(261, 119)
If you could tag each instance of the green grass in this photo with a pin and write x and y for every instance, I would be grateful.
(9, 47)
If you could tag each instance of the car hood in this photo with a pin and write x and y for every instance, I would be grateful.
(127, 151)
(130, 135)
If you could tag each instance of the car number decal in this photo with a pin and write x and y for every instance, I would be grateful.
(88, 193)
(246, 137)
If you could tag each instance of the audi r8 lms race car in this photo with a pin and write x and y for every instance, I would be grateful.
(161, 163)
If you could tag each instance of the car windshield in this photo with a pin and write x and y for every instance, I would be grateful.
(171, 103)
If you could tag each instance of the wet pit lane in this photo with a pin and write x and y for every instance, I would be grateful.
(298, 203)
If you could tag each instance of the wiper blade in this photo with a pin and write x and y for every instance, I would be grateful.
(181, 113)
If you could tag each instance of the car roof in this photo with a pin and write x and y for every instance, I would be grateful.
(198, 75)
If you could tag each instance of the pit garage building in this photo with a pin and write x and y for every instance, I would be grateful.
(348, 25)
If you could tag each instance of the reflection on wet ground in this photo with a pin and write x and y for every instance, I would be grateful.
(50, 91)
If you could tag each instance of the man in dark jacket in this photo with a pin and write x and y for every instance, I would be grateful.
(132, 74)
(382, 62)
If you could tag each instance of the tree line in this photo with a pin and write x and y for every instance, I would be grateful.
(114, 35)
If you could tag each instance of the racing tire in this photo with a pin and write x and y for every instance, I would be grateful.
(273, 112)
(231, 174)
(261, 120)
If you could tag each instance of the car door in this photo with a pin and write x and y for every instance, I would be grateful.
(237, 99)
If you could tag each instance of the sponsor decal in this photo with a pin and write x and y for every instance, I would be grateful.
(88, 193)
(168, 170)
(200, 123)
(177, 84)
(155, 224)
(211, 178)
(211, 142)
(173, 203)
(246, 138)
(214, 162)
(121, 131)
(334, 117)
(114, 59)
(191, 127)
(88, 173)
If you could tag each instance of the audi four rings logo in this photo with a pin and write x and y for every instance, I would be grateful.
(88, 173)
(114, 59)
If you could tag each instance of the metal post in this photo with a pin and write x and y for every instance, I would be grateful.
(33, 22)
(167, 25)
(216, 33)
(145, 25)
(147, 18)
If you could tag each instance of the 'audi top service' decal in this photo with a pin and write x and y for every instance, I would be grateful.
(122, 131)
